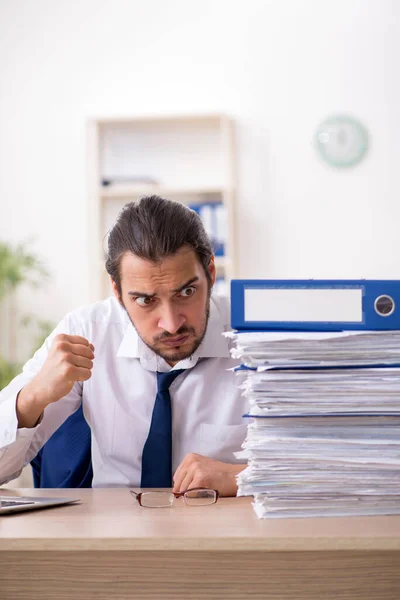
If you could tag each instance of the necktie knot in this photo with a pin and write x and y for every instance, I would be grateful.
(164, 380)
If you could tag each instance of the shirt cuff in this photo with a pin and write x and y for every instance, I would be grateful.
(9, 432)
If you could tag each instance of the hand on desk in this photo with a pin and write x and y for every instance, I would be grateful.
(200, 471)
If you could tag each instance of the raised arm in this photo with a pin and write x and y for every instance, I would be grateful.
(42, 397)
(69, 360)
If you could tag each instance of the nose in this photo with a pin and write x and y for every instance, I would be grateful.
(170, 320)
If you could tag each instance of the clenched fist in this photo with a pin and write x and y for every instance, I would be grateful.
(70, 359)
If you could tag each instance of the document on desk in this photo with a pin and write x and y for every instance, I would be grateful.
(309, 348)
(323, 436)
(323, 465)
(323, 390)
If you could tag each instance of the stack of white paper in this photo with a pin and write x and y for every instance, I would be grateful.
(311, 348)
(324, 428)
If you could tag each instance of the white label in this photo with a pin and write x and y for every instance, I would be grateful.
(312, 305)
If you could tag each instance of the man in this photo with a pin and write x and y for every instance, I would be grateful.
(109, 357)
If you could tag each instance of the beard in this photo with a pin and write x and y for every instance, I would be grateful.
(176, 354)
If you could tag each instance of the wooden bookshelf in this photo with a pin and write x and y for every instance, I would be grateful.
(188, 158)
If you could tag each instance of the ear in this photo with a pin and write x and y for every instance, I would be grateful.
(212, 270)
(115, 290)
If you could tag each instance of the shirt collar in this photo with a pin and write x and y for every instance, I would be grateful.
(214, 344)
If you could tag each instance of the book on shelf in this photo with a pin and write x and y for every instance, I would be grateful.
(214, 218)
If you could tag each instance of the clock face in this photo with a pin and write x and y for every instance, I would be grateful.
(341, 141)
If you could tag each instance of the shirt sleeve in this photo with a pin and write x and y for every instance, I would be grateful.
(19, 446)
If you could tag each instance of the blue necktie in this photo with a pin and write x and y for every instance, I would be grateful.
(157, 451)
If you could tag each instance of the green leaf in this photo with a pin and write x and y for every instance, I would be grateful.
(17, 266)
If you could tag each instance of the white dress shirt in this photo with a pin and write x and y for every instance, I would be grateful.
(118, 399)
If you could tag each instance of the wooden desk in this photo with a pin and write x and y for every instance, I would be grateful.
(108, 547)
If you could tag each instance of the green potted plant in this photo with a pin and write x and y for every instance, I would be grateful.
(18, 266)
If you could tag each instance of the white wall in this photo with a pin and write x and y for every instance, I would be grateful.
(277, 66)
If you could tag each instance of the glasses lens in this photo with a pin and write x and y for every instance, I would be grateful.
(200, 497)
(157, 499)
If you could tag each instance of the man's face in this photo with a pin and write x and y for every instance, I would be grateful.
(168, 302)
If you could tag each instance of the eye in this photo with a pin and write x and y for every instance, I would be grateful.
(144, 300)
(187, 292)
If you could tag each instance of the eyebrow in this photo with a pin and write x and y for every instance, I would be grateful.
(179, 289)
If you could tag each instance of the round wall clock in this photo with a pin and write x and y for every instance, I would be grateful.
(341, 141)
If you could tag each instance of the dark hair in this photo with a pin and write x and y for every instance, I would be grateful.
(153, 228)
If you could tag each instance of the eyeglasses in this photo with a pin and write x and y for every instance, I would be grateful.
(161, 499)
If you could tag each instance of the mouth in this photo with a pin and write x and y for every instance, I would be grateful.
(173, 342)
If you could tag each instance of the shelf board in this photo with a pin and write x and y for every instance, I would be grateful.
(134, 191)
(157, 119)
